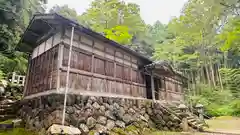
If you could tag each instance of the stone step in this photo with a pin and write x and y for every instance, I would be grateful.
(190, 117)
(200, 125)
(196, 123)
(9, 102)
(177, 111)
(7, 111)
(3, 106)
(192, 120)
(174, 107)
(178, 114)
(6, 117)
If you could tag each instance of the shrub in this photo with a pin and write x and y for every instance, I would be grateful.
(235, 105)
(217, 102)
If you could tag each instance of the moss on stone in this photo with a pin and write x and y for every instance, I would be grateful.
(18, 131)
(148, 103)
(120, 131)
(131, 128)
(92, 132)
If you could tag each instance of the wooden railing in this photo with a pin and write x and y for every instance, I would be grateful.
(18, 79)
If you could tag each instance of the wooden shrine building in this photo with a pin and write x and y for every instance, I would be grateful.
(97, 66)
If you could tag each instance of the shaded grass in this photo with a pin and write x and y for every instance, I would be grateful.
(6, 122)
(17, 131)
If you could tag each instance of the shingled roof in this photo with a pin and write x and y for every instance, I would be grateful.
(42, 24)
(164, 66)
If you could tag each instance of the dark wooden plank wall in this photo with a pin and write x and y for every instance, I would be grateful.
(102, 79)
(42, 74)
(170, 89)
(94, 70)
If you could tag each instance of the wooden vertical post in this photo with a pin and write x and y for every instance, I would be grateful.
(130, 92)
(13, 77)
(114, 74)
(67, 77)
(152, 87)
(27, 77)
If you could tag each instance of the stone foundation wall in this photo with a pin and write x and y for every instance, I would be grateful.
(96, 113)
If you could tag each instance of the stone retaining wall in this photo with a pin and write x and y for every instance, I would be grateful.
(96, 113)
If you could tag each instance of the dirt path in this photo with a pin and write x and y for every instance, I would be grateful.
(226, 125)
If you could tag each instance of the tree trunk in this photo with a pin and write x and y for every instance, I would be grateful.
(193, 84)
(208, 77)
(203, 75)
(198, 81)
(212, 72)
(225, 60)
(220, 78)
(189, 93)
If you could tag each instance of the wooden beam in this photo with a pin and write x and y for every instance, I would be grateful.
(95, 75)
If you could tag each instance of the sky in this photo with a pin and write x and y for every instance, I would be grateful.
(151, 10)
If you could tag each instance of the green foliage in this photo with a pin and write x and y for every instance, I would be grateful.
(18, 131)
(1, 75)
(118, 21)
(230, 33)
(65, 11)
(108, 14)
(236, 106)
(14, 17)
(217, 102)
(231, 80)
(119, 34)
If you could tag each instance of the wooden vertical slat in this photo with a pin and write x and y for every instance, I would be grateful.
(60, 58)
(93, 65)
(105, 62)
(115, 66)
(131, 77)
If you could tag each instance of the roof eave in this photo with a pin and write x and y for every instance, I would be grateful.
(70, 22)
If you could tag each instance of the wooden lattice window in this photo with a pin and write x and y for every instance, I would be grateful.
(140, 78)
(134, 75)
(119, 71)
(55, 57)
(109, 68)
(87, 62)
(74, 59)
(127, 73)
(65, 56)
(99, 66)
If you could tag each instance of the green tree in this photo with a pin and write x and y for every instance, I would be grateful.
(14, 17)
(65, 11)
(119, 34)
(104, 15)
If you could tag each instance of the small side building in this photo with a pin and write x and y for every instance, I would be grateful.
(97, 66)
